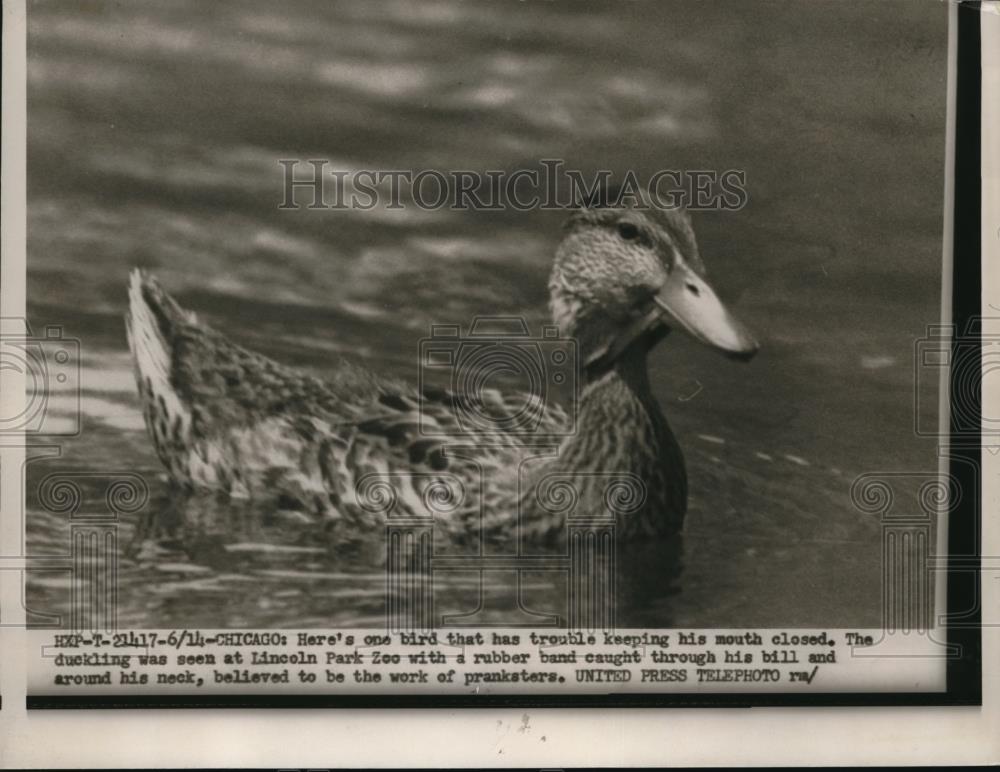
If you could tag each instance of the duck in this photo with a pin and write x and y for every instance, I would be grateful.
(355, 448)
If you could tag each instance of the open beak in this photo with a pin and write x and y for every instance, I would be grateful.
(688, 302)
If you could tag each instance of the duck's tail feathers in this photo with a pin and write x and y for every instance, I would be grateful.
(153, 323)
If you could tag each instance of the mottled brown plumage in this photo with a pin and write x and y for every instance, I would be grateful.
(358, 448)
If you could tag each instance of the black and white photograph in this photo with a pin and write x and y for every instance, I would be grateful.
(498, 263)
(492, 348)
(373, 356)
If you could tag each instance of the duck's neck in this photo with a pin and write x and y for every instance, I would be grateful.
(617, 403)
(630, 369)
(620, 431)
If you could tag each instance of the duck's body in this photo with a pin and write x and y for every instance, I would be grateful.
(226, 419)
(359, 447)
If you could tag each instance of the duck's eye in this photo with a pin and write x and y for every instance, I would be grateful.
(628, 231)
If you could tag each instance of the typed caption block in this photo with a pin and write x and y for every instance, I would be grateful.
(490, 661)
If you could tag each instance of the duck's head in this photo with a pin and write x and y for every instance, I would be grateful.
(624, 276)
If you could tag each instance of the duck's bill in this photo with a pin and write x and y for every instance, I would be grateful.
(689, 303)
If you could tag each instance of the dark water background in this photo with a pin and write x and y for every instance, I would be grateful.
(154, 133)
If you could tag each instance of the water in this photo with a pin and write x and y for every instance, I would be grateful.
(154, 131)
